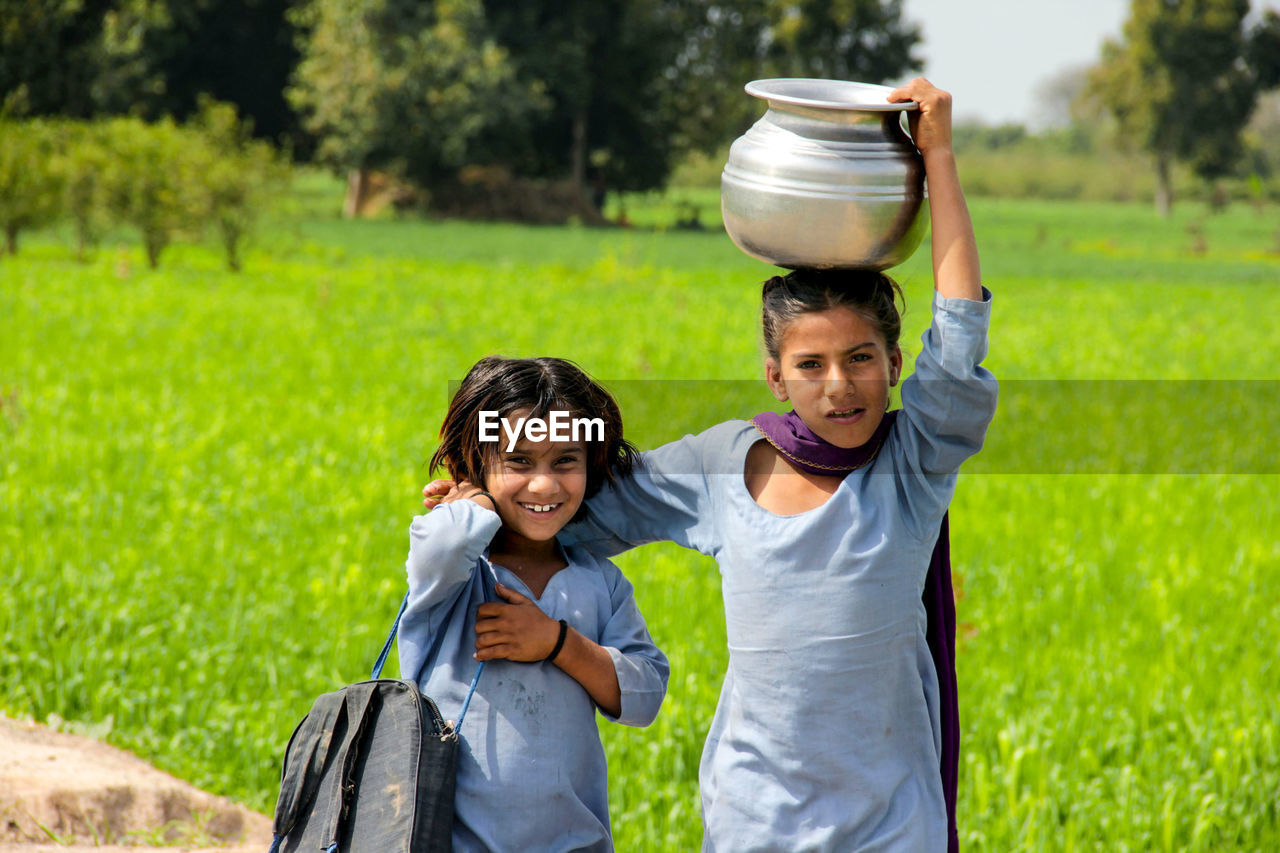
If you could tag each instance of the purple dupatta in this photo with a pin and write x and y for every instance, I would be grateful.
(809, 452)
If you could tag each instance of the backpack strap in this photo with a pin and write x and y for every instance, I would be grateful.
(359, 698)
(301, 778)
(391, 638)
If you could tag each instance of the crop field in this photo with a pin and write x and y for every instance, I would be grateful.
(206, 481)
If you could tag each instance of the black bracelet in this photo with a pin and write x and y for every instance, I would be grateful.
(483, 493)
(564, 632)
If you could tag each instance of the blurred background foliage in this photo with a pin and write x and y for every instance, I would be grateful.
(538, 111)
(202, 491)
(165, 180)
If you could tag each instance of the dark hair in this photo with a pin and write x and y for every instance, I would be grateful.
(506, 385)
(871, 294)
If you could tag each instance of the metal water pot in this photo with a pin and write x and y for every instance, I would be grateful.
(826, 178)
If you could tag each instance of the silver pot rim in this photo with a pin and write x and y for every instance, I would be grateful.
(818, 93)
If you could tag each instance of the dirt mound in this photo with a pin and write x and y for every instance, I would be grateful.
(60, 792)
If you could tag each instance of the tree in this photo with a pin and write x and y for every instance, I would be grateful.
(83, 158)
(1179, 87)
(152, 179)
(80, 58)
(1058, 96)
(1263, 51)
(30, 185)
(725, 45)
(51, 52)
(600, 65)
(402, 85)
(235, 174)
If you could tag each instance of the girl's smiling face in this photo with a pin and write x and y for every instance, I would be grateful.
(538, 486)
(836, 370)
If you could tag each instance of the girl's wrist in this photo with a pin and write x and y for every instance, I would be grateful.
(562, 634)
(939, 156)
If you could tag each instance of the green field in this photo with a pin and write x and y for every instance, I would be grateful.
(206, 481)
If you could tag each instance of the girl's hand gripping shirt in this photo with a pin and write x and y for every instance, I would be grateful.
(531, 769)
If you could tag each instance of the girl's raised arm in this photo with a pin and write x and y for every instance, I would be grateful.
(444, 546)
(956, 273)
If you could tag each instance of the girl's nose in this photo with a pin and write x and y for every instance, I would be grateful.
(543, 484)
(836, 383)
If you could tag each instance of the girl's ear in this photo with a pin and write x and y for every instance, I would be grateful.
(895, 366)
(773, 375)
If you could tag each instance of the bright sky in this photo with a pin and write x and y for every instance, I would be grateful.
(993, 54)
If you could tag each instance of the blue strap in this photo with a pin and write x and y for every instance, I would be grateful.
(466, 703)
(391, 638)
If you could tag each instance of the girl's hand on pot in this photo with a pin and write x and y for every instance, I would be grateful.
(516, 630)
(931, 123)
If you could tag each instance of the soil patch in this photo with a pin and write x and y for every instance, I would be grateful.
(61, 792)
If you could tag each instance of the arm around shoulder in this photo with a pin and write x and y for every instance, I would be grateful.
(665, 499)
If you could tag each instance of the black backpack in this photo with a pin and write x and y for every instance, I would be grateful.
(370, 769)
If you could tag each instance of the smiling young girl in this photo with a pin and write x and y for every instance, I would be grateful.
(558, 627)
(835, 729)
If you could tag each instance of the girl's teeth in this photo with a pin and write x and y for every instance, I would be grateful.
(542, 508)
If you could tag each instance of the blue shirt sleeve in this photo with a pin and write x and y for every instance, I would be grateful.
(445, 546)
(667, 498)
(947, 404)
(641, 666)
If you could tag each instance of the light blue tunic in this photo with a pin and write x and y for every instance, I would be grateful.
(827, 735)
(531, 769)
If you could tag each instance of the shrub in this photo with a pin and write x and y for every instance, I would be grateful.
(30, 186)
(237, 175)
(83, 160)
(150, 181)
(166, 180)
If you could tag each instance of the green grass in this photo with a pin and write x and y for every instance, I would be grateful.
(206, 479)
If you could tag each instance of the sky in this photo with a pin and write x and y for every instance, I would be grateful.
(993, 54)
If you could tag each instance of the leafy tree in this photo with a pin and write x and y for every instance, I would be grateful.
(51, 52)
(83, 158)
(235, 175)
(30, 187)
(150, 58)
(152, 179)
(593, 90)
(402, 85)
(1178, 85)
(726, 45)
(1263, 51)
(602, 65)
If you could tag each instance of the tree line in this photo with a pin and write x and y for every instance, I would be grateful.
(593, 94)
(605, 93)
(166, 180)
(1183, 81)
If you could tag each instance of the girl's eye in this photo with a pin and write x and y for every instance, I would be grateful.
(808, 364)
(517, 460)
(861, 356)
(568, 460)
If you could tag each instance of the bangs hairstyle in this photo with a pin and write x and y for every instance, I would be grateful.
(870, 294)
(542, 385)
